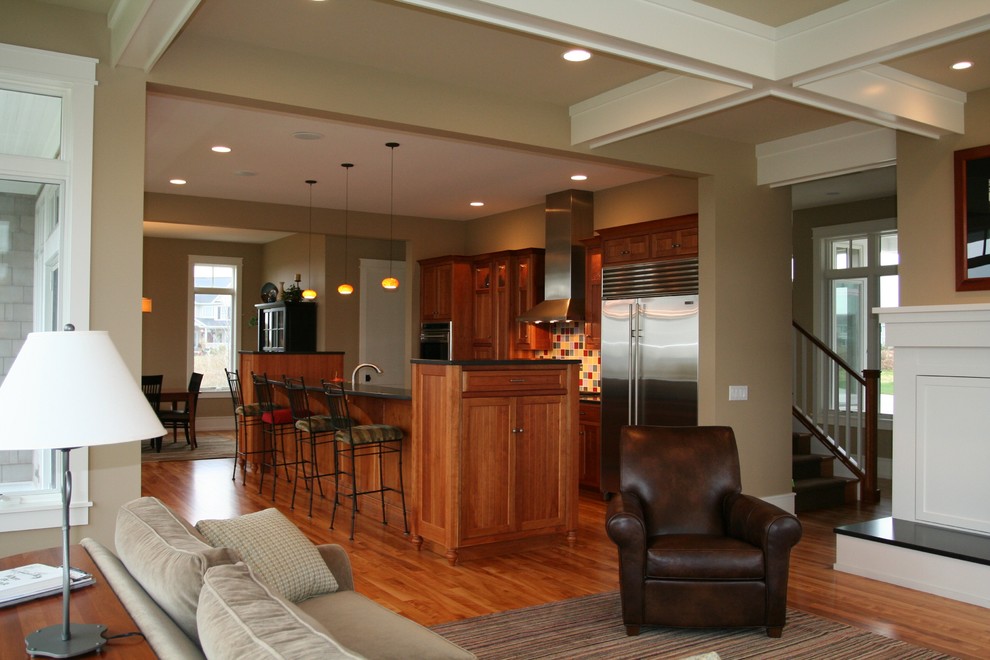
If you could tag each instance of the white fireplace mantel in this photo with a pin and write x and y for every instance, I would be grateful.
(941, 448)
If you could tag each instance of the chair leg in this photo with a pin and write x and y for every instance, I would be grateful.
(631, 630)
(775, 631)
(402, 493)
(354, 490)
(381, 482)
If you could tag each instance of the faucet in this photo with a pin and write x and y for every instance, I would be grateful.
(358, 368)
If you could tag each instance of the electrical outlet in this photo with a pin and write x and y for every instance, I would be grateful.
(738, 392)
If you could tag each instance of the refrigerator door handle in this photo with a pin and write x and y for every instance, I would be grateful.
(630, 382)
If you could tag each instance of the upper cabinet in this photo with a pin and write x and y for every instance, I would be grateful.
(446, 295)
(670, 238)
(593, 293)
(506, 284)
(286, 327)
(527, 283)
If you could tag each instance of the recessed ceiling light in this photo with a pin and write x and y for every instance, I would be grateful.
(579, 177)
(577, 55)
(244, 173)
(177, 182)
(959, 66)
(477, 203)
(307, 135)
(220, 149)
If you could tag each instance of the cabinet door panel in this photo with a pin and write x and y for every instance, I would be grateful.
(538, 462)
(486, 464)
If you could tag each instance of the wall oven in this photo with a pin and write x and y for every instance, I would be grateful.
(434, 341)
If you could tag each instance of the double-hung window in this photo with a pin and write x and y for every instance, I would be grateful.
(214, 331)
(46, 155)
(857, 272)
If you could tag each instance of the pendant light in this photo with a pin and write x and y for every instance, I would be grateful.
(309, 293)
(390, 282)
(346, 289)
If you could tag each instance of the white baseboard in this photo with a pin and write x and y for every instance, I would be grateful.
(785, 501)
(222, 423)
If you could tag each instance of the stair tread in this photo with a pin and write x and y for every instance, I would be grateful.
(813, 483)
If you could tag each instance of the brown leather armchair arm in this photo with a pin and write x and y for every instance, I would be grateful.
(625, 526)
(761, 524)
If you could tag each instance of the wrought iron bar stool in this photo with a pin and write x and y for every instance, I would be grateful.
(246, 415)
(355, 441)
(276, 423)
(312, 432)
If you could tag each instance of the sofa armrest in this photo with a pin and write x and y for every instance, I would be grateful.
(339, 564)
(163, 635)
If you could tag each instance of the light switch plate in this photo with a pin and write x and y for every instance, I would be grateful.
(738, 392)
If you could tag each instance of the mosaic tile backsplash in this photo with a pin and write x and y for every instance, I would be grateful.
(568, 342)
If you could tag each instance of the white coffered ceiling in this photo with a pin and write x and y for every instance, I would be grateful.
(751, 71)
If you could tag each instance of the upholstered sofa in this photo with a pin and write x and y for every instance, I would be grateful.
(252, 586)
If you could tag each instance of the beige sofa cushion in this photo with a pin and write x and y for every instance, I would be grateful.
(276, 550)
(167, 557)
(240, 617)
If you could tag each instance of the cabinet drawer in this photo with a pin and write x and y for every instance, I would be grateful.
(590, 413)
(513, 382)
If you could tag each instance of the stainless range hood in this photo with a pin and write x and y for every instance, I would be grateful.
(569, 219)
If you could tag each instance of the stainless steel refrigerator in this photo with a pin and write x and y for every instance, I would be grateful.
(649, 354)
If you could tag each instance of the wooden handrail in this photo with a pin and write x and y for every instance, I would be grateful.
(832, 355)
(870, 382)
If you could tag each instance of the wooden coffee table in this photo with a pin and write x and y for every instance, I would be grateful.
(96, 603)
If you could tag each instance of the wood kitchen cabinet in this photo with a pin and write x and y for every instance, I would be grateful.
(669, 238)
(445, 295)
(589, 432)
(527, 291)
(497, 461)
(593, 293)
(505, 285)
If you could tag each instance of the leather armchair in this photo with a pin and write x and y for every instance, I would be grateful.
(693, 550)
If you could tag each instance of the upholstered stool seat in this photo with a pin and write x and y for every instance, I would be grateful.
(353, 441)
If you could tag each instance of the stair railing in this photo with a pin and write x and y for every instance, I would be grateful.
(839, 407)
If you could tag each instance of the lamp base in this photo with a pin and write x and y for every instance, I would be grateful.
(83, 638)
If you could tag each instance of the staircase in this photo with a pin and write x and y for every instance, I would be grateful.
(815, 485)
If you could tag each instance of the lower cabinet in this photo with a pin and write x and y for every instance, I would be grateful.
(589, 432)
(505, 468)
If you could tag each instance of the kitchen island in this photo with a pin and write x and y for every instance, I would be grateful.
(496, 457)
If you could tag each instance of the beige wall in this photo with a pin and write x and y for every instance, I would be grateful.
(926, 208)
(115, 475)
(745, 229)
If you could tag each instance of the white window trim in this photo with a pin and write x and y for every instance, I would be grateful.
(235, 332)
(820, 236)
(73, 78)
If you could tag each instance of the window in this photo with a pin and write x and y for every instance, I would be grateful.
(213, 338)
(858, 272)
(46, 146)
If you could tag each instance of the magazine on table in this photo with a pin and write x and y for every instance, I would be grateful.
(36, 580)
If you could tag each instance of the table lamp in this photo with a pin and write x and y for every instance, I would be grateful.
(59, 394)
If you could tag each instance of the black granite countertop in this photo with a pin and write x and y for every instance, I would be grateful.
(371, 390)
(495, 363)
(590, 397)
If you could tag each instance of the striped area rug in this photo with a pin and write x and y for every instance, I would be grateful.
(591, 627)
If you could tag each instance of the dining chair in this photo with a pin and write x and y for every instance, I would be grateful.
(183, 414)
(151, 385)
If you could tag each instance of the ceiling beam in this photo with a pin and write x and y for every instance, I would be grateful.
(141, 30)
(829, 60)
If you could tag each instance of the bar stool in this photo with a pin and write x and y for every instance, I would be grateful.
(276, 423)
(312, 431)
(246, 415)
(354, 441)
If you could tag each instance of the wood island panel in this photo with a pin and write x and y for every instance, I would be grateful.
(496, 457)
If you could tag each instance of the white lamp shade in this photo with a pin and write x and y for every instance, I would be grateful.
(72, 389)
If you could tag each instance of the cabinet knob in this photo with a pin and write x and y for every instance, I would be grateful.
(676, 245)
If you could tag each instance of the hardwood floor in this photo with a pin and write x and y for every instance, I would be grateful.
(424, 588)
